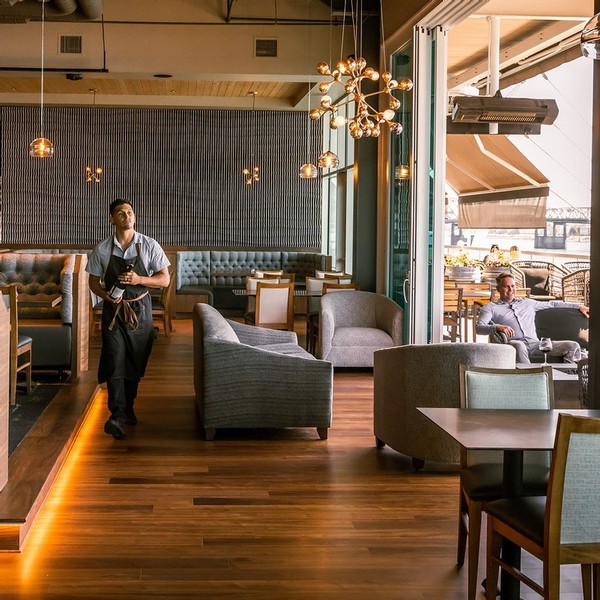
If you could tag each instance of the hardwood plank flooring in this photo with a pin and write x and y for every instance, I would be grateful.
(252, 515)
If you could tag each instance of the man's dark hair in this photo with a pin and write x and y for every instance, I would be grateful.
(115, 203)
(502, 277)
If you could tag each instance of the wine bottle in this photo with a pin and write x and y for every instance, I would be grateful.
(117, 291)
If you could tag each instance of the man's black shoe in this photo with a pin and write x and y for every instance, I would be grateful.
(114, 428)
(131, 419)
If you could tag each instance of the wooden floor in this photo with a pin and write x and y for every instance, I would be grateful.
(251, 515)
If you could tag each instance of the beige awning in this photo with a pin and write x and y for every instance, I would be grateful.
(497, 185)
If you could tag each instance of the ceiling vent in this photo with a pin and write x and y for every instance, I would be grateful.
(265, 48)
(70, 44)
(496, 109)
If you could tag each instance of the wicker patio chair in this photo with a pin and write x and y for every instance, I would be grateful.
(543, 278)
(575, 265)
(582, 372)
(576, 287)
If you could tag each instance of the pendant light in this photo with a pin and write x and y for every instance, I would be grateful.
(93, 174)
(308, 170)
(251, 174)
(42, 147)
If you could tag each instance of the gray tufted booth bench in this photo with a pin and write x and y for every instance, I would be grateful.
(59, 333)
(214, 273)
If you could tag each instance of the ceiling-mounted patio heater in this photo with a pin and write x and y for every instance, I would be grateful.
(496, 109)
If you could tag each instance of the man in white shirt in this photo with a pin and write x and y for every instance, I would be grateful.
(122, 268)
(515, 318)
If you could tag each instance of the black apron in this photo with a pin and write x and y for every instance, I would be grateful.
(126, 345)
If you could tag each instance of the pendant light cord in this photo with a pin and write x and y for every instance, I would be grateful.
(42, 77)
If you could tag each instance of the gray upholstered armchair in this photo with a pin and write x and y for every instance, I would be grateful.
(353, 324)
(425, 375)
(251, 377)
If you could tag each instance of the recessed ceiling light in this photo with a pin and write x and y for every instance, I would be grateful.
(162, 75)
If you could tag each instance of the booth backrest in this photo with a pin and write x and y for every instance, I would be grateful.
(193, 268)
(229, 268)
(42, 274)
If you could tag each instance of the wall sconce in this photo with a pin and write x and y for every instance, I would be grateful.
(93, 174)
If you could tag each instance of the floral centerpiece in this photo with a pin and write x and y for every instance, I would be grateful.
(497, 259)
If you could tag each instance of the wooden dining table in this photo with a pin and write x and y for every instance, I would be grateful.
(39, 300)
(501, 429)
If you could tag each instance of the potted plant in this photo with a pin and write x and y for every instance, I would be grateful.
(460, 265)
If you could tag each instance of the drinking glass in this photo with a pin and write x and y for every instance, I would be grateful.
(545, 347)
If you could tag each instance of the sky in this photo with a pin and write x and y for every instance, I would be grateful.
(563, 151)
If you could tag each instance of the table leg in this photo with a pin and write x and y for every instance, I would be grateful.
(512, 480)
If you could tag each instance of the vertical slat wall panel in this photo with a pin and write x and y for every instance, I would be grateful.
(182, 170)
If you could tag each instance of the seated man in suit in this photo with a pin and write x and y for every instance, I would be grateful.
(515, 317)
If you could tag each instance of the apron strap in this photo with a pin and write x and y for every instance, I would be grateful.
(129, 315)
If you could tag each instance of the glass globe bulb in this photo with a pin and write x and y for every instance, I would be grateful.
(308, 171)
(405, 85)
(328, 160)
(388, 114)
(340, 121)
(41, 148)
(323, 68)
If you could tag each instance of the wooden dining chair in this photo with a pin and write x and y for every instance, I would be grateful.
(452, 309)
(161, 305)
(472, 293)
(274, 306)
(519, 293)
(314, 291)
(481, 472)
(560, 528)
(21, 346)
(341, 277)
(339, 287)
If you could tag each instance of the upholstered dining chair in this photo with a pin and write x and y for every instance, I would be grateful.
(21, 346)
(274, 306)
(560, 528)
(251, 283)
(481, 472)
(260, 273)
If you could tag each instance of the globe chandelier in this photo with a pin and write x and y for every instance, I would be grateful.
(350, 73)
